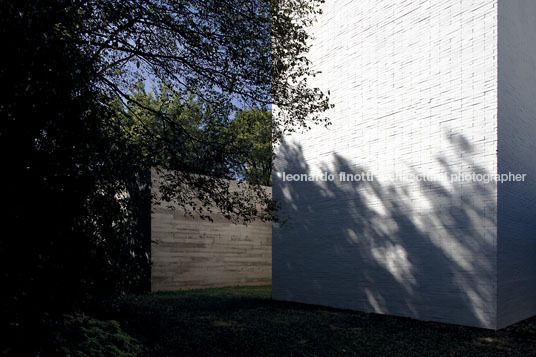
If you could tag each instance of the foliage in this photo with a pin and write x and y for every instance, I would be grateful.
(243, 144)
(225, 51)
(76, 178)
(73, 209)
(252, 142)
(179, 142)
(296, 104)
(80, 335)
(239, 148)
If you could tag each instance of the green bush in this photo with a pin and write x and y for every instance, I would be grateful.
(80, 335)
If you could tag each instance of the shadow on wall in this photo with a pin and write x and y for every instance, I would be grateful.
(426, 250)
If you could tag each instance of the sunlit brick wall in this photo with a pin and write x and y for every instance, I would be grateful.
(415, 86)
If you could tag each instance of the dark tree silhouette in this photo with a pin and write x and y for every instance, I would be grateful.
(74, 209)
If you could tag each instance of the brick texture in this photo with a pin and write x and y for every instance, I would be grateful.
(415, 88)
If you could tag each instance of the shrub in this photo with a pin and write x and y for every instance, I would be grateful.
(80, 335)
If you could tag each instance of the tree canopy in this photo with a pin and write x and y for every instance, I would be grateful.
(244, 143)
(225, 51)
(78, 135)
(229, 54)
(251, 136)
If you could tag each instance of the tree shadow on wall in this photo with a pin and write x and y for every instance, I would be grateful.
(423, 249)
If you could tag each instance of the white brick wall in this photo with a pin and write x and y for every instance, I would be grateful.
(415, 88)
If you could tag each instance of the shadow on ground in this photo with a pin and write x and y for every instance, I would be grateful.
(244, 321)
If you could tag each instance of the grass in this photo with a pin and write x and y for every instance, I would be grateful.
(244, 321)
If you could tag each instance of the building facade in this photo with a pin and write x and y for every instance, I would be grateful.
(433, 100)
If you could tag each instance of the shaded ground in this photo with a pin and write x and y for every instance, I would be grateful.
(245, 321)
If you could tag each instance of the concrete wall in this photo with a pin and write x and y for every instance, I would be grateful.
(190, 253)
(517, 148)
(415, 88)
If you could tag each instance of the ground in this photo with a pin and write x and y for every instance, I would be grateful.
(244, 321)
